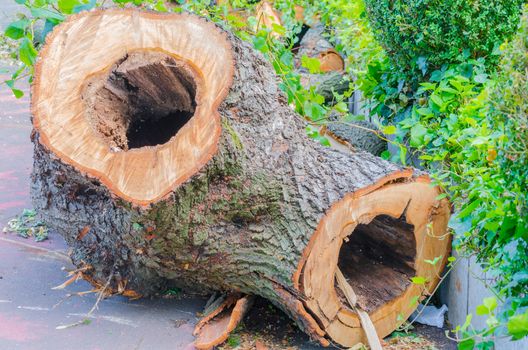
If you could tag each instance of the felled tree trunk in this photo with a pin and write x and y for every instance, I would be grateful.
(168, 157)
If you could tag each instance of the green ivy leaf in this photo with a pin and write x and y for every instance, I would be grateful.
(481, 310)
(27, 52)
(312, 64)
(17, 29)
(441, 196)
(160, 6)
(486, 345)
(437, 100)
(278, 29)
(17, 93)
(437, 75)
(324, 141)
(341, 107)
(47, 14)
(468, 209)
(313, 110)
(434, 261)
(468, 344)
(466, 324)
(414, 300)
(518, 326)
(260, 44)
(66, 6)
(490, 303)
(418, 280)
(403, 154)
(286, 58)
(424, 111)
(418, 132)
(389, 130)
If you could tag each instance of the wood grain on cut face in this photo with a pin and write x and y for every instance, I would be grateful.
(67, 62)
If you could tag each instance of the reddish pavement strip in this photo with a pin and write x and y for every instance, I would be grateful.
(15, 152)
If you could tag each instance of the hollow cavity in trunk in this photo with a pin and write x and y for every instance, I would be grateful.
(145, 99)
(378, 261)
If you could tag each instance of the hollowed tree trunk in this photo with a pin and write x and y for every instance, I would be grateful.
(167, 156)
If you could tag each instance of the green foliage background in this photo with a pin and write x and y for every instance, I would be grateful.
(464, 119)
(443, 31)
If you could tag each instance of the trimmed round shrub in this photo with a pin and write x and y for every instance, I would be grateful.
(442, 31)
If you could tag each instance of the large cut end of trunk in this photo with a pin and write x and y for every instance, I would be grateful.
(379, 238)
(143, 110)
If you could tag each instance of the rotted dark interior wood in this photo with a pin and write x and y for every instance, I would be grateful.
(378, 261)
(147, 97)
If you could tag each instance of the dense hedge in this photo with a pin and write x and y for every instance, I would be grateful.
(442, 31)
(467, 122)
(509, 107)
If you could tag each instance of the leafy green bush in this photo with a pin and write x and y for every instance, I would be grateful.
(435, 32)
(509, 107)
(469, 127)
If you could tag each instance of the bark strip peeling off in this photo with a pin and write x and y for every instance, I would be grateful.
(173, 144)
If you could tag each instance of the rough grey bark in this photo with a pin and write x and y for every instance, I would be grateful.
(326, 84)
(241, 223)
(360, 134)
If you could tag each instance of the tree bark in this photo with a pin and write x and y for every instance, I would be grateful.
(266, 214)
(357, 134)
(326, 84)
